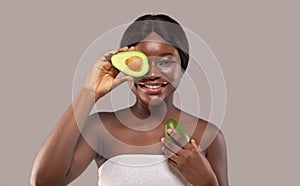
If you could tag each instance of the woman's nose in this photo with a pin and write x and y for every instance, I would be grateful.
(154, 71)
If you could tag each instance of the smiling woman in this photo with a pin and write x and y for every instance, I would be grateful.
(134, 150)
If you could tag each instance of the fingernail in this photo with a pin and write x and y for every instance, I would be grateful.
(162, 139)
(170, 131)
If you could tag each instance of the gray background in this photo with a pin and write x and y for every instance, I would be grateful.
(256, 42)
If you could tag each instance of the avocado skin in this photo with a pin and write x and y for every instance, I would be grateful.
(118, 61)
(172, 124)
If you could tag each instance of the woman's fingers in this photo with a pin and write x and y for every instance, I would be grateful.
(179, 146)
(170, 145)
(107, 55)
(171, 155)
(102, 59)
(123, 49)
(179, 140)
(195, 145)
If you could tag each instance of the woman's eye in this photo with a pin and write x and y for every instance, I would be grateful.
(164, 63)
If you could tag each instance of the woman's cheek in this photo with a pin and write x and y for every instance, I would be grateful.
(173, 75)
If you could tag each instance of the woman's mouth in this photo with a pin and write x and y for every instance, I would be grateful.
(152, 87)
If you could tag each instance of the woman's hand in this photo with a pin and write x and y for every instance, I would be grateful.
(187, 159)
(102, 77)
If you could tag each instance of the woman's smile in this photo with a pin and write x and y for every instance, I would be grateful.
(152, 87)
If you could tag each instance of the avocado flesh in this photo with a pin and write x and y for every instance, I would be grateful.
(133, 63)
(172, 124)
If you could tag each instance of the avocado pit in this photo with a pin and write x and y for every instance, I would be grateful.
(134, 63)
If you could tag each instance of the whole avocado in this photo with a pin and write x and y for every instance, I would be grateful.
(172, 124)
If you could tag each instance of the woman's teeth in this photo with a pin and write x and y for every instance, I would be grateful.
(153, 86)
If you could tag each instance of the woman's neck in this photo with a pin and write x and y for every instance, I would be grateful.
(157, 111)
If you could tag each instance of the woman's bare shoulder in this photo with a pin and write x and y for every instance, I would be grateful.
(96, 124)
(204, 131)
(104, 115)
(106, 119)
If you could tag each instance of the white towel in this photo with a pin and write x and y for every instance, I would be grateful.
(138, 170)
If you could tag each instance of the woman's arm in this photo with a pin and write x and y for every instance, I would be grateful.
(64, 146)
(217, 157)
(65, 153)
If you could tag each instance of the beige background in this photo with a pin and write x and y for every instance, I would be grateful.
(256, 42)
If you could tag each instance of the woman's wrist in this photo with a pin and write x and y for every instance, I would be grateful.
(87, 95)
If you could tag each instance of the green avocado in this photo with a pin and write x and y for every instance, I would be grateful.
(132, 62)
(172, 124)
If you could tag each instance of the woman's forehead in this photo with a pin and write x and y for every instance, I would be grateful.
(155, 45)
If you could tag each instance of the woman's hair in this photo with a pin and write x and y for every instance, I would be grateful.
(169, 29)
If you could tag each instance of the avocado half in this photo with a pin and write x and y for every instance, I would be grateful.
(132, 62)
(174, 125)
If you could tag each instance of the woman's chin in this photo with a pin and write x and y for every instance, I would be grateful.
(154, 102)
(157, 102)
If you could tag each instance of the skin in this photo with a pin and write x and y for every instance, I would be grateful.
(78, 138)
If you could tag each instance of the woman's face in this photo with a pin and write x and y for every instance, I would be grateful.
(164, 75)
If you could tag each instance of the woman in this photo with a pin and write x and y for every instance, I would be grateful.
(135, 135)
